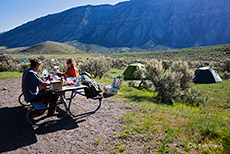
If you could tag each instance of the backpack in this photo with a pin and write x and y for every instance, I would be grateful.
(93, 89)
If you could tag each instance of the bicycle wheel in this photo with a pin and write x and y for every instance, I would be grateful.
(22, 101)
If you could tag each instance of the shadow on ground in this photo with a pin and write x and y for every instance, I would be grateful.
(67, 123)
(15, 132)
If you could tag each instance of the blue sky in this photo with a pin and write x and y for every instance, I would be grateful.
(16, 12)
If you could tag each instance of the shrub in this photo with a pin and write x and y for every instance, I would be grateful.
(4, 67)
(12, 67)
(166, 64)
(168, 87)
(226, 66)
(87, 66)
(183, 68)
(166, 82)
(9, 63)
(171, 81)
(62, 66)
(97, 67)
(194, 98)
(118, 63)
(41, 57)
(226, 75)
(199, 64)
(79, 61)
(50, 63)
(6, 63)
(24, 66)
(4, 57)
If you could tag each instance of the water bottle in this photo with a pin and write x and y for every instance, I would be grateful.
(45, 73)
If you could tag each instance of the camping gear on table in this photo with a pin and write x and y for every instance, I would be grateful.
(55, 70)
(56, 85)
(71, 81)
(206, 75)
(129, 73)
(45, 73)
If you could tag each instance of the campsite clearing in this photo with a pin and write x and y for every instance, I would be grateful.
(132, 122)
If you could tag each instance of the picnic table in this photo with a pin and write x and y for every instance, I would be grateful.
(75, 90)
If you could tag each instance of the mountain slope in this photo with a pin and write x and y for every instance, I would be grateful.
(50, 47)
(102, 49)
(136, 23)
(172, 23)
(68, 25)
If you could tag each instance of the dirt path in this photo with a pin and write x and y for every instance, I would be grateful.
(67, 136)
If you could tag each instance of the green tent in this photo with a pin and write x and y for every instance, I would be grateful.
(206, 75)
(129, 73)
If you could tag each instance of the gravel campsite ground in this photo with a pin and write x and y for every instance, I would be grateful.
(91, 134)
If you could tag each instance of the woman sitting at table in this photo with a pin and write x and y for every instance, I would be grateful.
(71, 71)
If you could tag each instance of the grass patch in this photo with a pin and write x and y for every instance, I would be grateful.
(96, 143)
(113, 72)
(218, 94)
(5, 75)
(177, 128)
(209, 53)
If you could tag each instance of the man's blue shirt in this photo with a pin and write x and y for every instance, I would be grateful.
(30, 82)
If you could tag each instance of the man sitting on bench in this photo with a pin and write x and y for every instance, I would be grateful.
(31, 83)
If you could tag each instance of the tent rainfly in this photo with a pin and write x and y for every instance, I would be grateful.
(206, 75)
(129, 73)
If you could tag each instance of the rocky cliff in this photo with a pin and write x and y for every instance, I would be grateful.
(135, 23)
